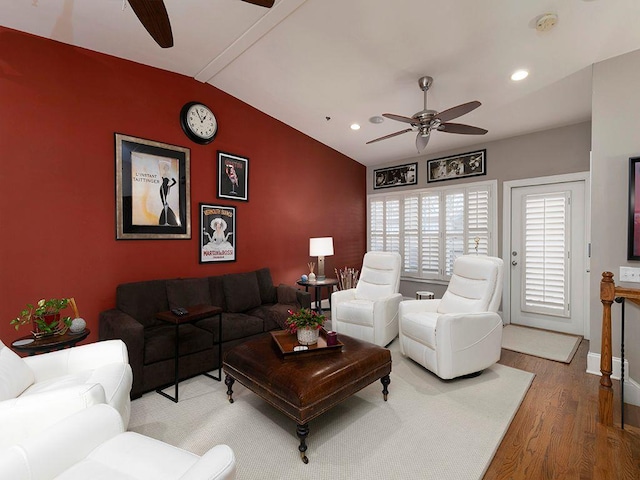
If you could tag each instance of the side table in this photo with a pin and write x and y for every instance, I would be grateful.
(423, 294)
(196, 312)
(31, 345)
(317, 285)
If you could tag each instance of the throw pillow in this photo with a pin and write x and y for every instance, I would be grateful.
(241, 291)
(15, 374)
(186, 292)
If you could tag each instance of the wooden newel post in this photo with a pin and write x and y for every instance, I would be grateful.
(605, 394)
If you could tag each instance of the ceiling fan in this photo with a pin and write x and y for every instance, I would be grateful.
(153, 16)
(425, 121)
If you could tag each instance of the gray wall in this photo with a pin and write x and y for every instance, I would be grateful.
(541, 154)
(615, 138)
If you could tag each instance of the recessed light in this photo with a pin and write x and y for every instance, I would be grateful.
(355, 126)
(519, 75)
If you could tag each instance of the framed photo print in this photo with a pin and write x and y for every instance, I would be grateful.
(457, 166)
(633, 230)
(397, 176)
(217, 233)
(153, 197)
(233, 177)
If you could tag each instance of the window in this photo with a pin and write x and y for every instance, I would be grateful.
(432, 227)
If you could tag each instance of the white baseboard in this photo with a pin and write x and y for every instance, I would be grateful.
(631, 387)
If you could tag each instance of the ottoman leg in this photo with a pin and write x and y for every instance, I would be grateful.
(385, 383)
(302, 431)
(228, 381)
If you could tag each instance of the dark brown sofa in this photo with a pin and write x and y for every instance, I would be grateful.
(251, 303)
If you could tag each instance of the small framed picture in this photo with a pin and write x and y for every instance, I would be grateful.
(153, 199)
(457, 166)
(217, 233)
(397, 176)
(233, 177)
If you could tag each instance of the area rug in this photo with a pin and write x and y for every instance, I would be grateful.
(428, 428)
(540, 343)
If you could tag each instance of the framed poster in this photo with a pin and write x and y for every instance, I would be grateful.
(233, 177)
(464, 165)
(217, 233)
(397, 176)
(633, 229)
(153, 197)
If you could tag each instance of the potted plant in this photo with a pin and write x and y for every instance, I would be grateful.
(306, 324)
(44, 317)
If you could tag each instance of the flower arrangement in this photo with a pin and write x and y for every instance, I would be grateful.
(45, 316)
(304, 318)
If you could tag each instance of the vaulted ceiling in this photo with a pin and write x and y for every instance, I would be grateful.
(321, 65)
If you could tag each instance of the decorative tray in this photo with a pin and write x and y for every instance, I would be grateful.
(286, 342)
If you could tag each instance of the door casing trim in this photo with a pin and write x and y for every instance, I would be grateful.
(507, 188)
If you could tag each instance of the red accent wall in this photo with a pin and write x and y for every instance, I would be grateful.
(59, 109)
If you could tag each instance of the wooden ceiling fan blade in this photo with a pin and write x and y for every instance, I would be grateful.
(422, 141)
(401, 118)
(153, 16)
(389, 136)
(261, 3)
(461, 128)
(457, 111)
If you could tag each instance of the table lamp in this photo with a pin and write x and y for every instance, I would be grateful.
(321, 247)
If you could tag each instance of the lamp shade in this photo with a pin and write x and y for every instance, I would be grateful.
(320, 247)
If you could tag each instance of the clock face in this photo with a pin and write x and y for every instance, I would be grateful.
(198, 122)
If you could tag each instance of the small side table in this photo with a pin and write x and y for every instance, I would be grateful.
(31, 345)
(196, 312)
(425, 295)
(317, 286)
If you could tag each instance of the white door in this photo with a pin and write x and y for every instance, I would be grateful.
(547, 257)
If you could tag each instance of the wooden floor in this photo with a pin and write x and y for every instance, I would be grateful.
(554, 434)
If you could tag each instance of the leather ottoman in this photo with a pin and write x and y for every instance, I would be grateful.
(303, 387)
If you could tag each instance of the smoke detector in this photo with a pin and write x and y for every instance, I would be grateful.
(546, 22)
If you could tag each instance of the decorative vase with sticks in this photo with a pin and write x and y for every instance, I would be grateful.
(312, 276)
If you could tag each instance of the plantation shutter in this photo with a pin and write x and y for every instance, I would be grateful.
(430, 234)
(411, 235)
(454, 229)
(478, 221)
(392, 223)
(546, 249)
(376, 226)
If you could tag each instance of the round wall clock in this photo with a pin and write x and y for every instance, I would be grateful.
(198, 122)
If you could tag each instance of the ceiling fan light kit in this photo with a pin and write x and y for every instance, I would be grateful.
(425, 121)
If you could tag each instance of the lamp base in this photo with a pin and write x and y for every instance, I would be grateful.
(320, 278)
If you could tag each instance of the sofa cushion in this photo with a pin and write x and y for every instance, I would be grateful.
(287, 295)
(186, 292)
(216, 292)
(143, 300)
(159, 342)
(235, 326)
(15, 374)
(267, 289)
(241, 291)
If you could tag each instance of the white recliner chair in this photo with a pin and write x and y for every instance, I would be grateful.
(93, 444)
(38, 391)
(370, 311)
(461, 333)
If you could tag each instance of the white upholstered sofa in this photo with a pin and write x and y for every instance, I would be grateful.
(370, 311)
(38, 391)
(461, 333)
(93, 444)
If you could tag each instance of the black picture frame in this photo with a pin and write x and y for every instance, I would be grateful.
(217, 233)
(228, 165)
(469, 164)
(396, 176)
(633, 229)
(153, 190)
